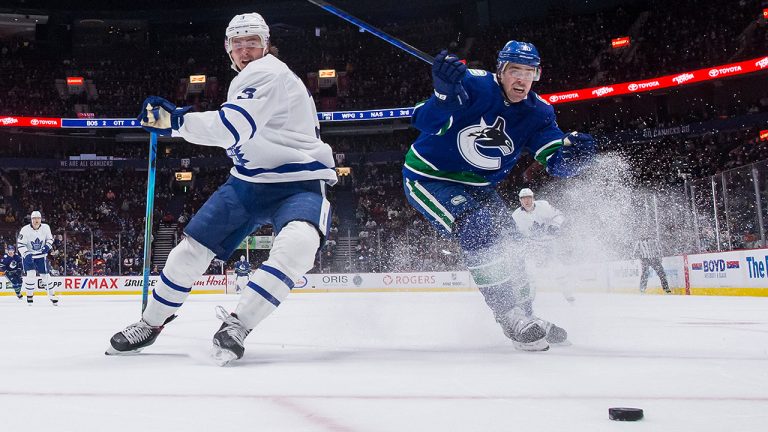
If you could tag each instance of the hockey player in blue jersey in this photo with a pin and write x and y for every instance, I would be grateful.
(281, 168)
(474, 129)
(12, 266)
(242, 271)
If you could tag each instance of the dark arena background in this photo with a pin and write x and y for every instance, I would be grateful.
(674, 93)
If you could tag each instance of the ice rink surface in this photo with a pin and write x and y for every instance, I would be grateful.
(390, 362)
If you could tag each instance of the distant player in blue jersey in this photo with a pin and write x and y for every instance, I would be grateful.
(281, 168)
(242, 271)
(12, 266)
(474, 129)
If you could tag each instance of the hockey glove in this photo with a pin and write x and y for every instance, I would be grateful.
(447, 72)
(160, 116)
(45, 249)
(577, 153)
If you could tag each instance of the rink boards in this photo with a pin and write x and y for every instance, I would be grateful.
(742, 272)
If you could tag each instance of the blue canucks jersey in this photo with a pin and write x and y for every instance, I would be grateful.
(242, 268)
(481, 141)
(11, 265)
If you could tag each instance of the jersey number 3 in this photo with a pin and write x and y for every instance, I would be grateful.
(247, 93)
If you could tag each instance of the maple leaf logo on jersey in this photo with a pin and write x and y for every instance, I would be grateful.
(237, 155)
(483, 146)
(37, 244)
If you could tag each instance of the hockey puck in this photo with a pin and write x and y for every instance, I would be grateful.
(625, 414)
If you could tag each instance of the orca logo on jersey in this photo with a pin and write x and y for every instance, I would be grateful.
(477, 140)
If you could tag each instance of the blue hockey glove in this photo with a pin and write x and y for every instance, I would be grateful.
(577, 152)
(45, 249)
(553, 231)
(447, 72)
(160, 116)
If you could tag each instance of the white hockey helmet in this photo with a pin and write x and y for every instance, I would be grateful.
(35, 214)
(248, 24)
(525, 192)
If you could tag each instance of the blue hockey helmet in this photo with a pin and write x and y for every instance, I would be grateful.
(10, 248)
(524, 53)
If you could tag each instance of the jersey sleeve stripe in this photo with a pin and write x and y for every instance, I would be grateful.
(245, 114)
(229, 126)
(543, 154)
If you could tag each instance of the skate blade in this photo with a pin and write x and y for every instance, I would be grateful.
(222, 357)
(564, 343)
(111, 351)
(539, 345)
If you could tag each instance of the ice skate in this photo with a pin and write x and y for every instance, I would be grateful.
(135, 338)
(527, 333)
(228, 340)
(555, 335)
(55, 301)
(29, 300)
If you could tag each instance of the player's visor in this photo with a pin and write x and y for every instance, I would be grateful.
(239, 43)
(523, 74)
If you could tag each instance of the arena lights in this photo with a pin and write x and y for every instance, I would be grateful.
(765, 13)
(764, 135)
(75, 81)
(197, 79)
(609, 90)
(182, 176)
(620, 42)
(326, 73)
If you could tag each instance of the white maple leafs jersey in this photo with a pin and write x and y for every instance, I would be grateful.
(31, 241)
(536, 223)
(268, 125)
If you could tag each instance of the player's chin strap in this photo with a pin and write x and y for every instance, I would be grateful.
(501, 87)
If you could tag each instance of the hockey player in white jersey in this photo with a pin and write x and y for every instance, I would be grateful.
(537, 218)
(541, 224)
(33, 244)
(270, 129)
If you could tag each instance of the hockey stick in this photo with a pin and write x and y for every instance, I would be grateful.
(410, 49)
(148, 217)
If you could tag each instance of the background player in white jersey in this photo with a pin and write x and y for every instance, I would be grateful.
(12, 266)
(270, 129)
(242, 271)
(537, 219)
(541, 224)
(34, 243)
